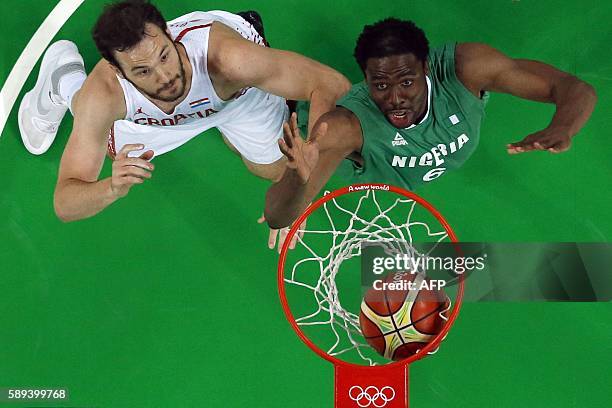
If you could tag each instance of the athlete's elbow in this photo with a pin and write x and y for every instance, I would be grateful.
(61, 213)
(582, 87)
(62, 210)
(586, 96)
(343, 85)
(332, 86)
(590, 92)
(574, 88)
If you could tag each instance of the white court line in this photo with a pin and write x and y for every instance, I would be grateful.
(30, 55)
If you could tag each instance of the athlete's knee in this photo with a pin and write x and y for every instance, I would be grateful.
(75, 99)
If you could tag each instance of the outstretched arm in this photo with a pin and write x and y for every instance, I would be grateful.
(79, 193)
(310, 163)
(284, 73)
(482, 68)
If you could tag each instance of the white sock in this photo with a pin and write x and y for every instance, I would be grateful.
(69, 84)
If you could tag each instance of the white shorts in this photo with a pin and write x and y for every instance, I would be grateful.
(252, 124)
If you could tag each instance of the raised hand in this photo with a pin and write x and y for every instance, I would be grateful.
(128, 171)
(302, 155)
(553, 140)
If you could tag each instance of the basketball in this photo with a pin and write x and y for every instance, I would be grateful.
(399, 316)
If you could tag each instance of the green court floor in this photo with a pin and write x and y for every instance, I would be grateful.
(168, 298)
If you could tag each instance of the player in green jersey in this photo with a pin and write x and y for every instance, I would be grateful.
(417, 115)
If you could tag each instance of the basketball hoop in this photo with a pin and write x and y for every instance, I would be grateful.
(368, 384)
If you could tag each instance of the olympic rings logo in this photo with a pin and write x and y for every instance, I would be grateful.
(371, 396)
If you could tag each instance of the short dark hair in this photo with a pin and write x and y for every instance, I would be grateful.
(122, 25)
(390, 37)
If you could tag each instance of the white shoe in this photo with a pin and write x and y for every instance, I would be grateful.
(42, 109)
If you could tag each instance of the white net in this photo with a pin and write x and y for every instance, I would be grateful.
(391, 222)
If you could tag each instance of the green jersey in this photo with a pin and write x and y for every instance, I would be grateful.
(443, 140)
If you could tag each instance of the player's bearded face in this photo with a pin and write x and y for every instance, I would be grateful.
(154, 66)
(398, 86)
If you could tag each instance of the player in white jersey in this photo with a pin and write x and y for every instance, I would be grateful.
(158, 86)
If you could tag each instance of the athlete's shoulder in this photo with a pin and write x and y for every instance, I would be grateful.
(441, 62)
(475, 57)
(455, 67)
(344, 130)
(190, 26)
(363, 109)
(443, 51)
(222, 35)
(358, 92)
(474, 62)
(458, 52)
(101, 93)
(358, 101)
(471, 50)
(211, 26)
(235, 59)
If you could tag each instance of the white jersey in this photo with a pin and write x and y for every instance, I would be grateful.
(261, 114)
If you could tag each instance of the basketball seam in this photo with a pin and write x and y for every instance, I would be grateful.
(397, 330)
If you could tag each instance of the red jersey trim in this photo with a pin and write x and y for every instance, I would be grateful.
(111, 150)
(185, 31)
